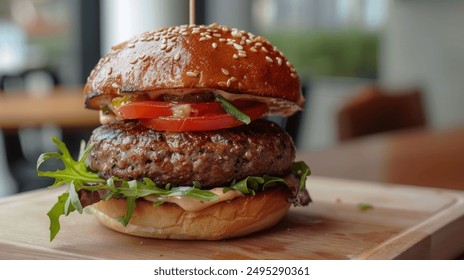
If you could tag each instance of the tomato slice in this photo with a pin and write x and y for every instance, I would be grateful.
(208, 121)
(156, 109)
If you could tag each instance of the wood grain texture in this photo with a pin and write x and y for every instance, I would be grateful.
(405, 222)
(63, 107)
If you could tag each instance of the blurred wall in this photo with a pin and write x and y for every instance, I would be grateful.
(122, 19)
(237, 13)
(423, 44)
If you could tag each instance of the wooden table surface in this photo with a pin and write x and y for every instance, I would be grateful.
(63, 107)
(421, 157)
(405, 223)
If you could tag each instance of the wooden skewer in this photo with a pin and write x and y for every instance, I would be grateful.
(192, 11)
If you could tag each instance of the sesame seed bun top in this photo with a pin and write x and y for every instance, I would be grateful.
(197, 58)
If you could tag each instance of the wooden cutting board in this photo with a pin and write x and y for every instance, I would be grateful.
(405, 223)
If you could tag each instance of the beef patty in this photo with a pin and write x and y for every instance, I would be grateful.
(212, 158)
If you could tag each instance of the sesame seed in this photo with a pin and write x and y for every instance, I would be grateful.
(203, 39)
(214, 45)
(242, 54)
(293, 75)
(110, 70)
(279, 60)
(192, 74)
(131, 45)
(168, 49)
(248, 41)
(222, 40)
(233, 79)
(240, 85)
(133, 61)
(222, 84)
(235, 56)
(208, 37)
(114, 85)
(253, 49)
(269, 59)
(288, 63)
(217, 35)
(164, 40)
(237, 46)
(259, 44)
(177, 57)
(142, 57)
(146, 58)
(264, 49)
(195, 31)
(163, 46)
(229, 81)
(225, 71)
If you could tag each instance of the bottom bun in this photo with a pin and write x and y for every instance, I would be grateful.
(239, 217)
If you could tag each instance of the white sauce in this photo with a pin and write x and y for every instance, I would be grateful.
(107, 118)
(194, 205)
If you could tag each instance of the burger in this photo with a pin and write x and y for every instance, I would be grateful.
(184, 150)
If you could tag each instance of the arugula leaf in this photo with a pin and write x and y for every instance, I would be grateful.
(271, 181)
(73, 199)
(130, 207)
(254, 184)
(247, 185)
(232, 110)
(55, 213)
(72, 169)
(363, 206)
(301, 170)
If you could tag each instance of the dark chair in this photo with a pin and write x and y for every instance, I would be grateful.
(374, 110)
(27, 72)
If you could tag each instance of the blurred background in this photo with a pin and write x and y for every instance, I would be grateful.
(342, 50)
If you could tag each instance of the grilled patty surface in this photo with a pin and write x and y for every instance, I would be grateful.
(129, 150)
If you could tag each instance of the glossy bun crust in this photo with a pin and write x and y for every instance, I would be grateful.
(239, 217)
(199, 58)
